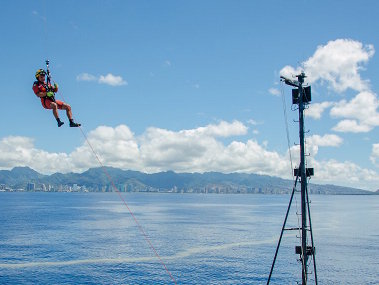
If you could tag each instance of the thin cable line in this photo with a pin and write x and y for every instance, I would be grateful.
(130, 211)
(287, 130)
(124, 202)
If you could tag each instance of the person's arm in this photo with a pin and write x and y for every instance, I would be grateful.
(53, 88)
(41, 94)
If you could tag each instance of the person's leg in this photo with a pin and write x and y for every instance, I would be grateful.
(54, 107)
(50, 105)
(67, 107)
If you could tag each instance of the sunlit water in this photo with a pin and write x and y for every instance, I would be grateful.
(91, 238)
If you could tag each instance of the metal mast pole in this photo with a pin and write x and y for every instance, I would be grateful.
(301, 96)
(303, 175)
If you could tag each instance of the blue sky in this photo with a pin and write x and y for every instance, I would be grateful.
(192, 86)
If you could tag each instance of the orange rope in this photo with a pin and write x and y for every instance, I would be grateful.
(123, 200)
(130, 211)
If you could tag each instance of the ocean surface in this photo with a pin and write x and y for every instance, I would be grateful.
(91, 238)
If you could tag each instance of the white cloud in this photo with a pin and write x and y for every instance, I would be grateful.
(351, 126)
(316, 141)
(338, 63)
(20, 151)
(115, 146)
(199, 150)
(363, 105)
(313, 143)
(345, 173)
(375, 154)
(108, 79)
(254, 122)
(112, 80)
(274, 91)
(194, 150)
(86, 77)
(316, 110)
(155, 150)
(361, 113)
(222, 129)
(326, 140)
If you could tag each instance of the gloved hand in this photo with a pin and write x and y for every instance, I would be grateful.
(55, 87)
(50, 94)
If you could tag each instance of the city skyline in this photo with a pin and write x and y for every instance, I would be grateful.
(113, 179)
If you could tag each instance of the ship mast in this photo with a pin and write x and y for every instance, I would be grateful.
(302, 97)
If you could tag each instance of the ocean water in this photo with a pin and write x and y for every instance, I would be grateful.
(91, 238)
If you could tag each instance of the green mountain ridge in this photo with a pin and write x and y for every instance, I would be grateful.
(216, 182)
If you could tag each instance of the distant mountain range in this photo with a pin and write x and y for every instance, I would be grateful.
(96, 179)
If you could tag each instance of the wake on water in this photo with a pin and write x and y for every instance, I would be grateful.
(180, 255)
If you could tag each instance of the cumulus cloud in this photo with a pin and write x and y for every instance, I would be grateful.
(112, 80)
(20, 151)
(313, 144)
(337, 64)
(316, 141)
(195, 150)
(108, 79)
(198, 150)
(316, 110)
(223, 129)
(326, 140)
(331, 171)
(345, 173)
(114, 146)
(361, 113)
(351, 126)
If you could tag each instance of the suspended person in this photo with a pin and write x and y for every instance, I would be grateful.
(46, 92)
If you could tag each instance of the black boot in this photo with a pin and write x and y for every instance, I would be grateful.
(60, 123)
(74, 125)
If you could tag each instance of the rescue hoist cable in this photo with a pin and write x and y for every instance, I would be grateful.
(147, 239)
(127, 206)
